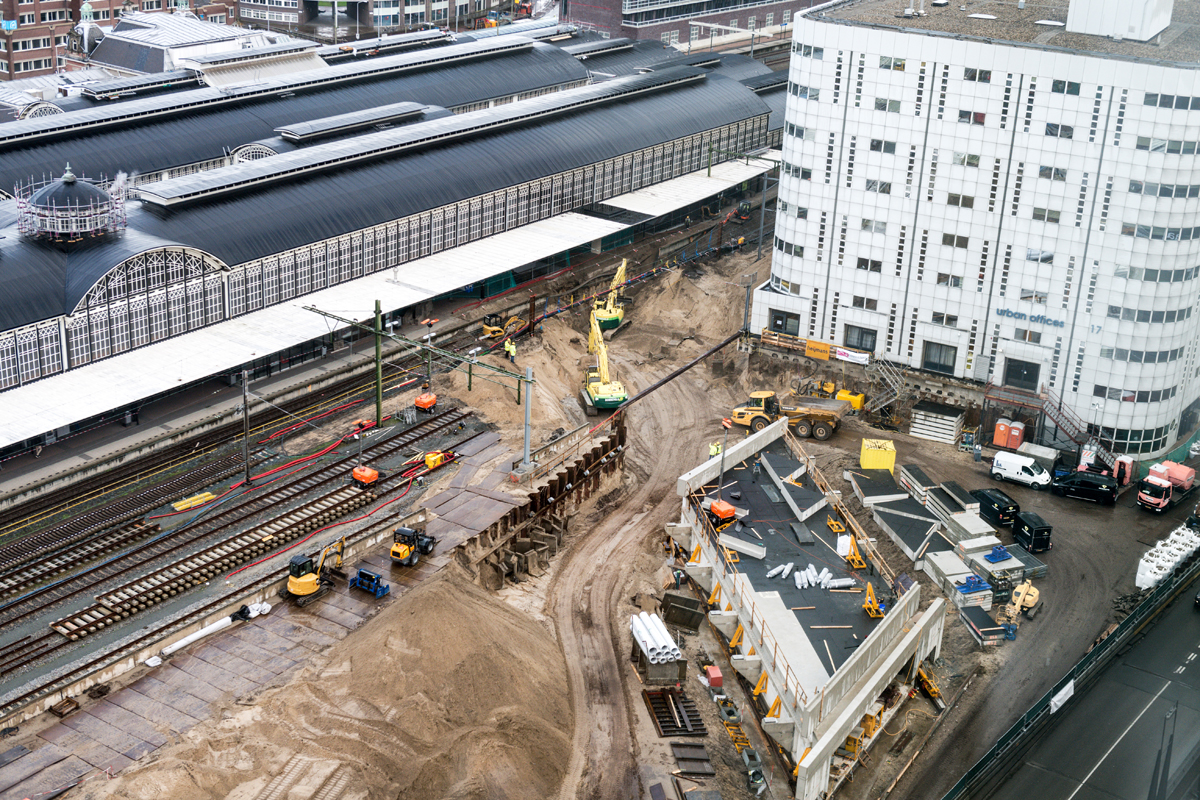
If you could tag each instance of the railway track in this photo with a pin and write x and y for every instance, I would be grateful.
(19, 580)
(265, 421)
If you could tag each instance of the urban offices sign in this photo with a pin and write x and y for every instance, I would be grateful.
(1037, 318)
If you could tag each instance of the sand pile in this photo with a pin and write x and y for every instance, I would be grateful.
(447, 693)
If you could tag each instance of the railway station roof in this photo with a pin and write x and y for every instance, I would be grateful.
(291, 210)
(113, 383)
(153, 133)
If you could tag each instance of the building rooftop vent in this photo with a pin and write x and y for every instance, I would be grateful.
(981, 16)
(69, 209)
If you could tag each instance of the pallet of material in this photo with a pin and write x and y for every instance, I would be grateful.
(1034, 567)
(961, 495)
(674, 713)
(980, 544)
(937, 422)
(939, 501)
(910, 535)
(692, 759)
(967, 525)
(1010, 568)
(979, 599)
(915, 481)
(982, 627)
(873, 486)
(946, 569)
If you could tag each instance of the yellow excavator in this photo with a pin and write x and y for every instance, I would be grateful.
(608, 310)
(1025, 600)
(309, 580)
(600, 391)
(492, 329)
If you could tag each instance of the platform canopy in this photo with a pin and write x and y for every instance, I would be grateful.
(78, 394)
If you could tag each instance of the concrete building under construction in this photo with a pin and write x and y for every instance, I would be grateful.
(828, 673)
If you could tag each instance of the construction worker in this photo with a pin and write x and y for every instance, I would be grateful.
(511, 349)
(714, 450)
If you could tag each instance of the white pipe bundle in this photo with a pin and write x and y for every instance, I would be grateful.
(661, 636)
(799, 577)
(824, 576)
(812, 575)
(642, 637)
(840, 583)
(771, 573)
(788, 569)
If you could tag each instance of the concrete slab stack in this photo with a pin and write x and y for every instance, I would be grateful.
(967, 525)
(980, 544)
(946, 569)
(942, 503)
(916, 482)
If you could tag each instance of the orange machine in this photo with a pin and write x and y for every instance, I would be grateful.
(364, 477)
(426, 401)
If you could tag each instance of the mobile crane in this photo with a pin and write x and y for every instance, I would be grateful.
(608, 309)
(599, 390)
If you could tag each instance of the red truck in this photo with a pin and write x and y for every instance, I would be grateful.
(1166, 486)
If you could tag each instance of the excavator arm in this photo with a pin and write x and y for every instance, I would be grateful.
(596, 345)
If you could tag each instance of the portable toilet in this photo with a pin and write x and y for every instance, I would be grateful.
(1016, 435)
(1000, 437)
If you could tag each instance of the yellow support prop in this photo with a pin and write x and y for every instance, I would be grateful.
(731, 556)
(751, 651)
(774, 712)
(854, 558)
(761, 686)
(695, 559)
(834, 525)
(871, 605)
(716, 594)
(737, 637)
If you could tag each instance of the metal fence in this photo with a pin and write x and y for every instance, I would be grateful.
(980, 779)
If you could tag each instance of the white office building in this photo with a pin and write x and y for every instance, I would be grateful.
(1007, 193)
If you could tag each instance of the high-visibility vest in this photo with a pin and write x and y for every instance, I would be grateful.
(714, 449)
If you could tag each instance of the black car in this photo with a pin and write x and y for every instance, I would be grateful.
(1032, 532)
(1086, 486)
(996, 507)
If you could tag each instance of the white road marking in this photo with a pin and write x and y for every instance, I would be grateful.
(1088, 777)
(1190, 657)
(1179, 670)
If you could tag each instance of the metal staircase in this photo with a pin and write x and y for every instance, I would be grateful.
(890, 380)
(1072, 427)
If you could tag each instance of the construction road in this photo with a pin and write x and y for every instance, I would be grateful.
(1140, 719)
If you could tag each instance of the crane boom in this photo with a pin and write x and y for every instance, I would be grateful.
(596, 345)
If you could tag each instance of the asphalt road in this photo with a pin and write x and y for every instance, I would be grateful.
(1138, 723)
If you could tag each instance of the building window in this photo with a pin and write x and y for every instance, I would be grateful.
(1041, 256)
(805, 50)
(896, 64)
(752, 23)
(1145, 315)
(874, 226)
(1156, 275)
(952, 240)
(54, 16)
(733, 23)
(788, 248)
(1064, 87)
(949, 320)
(882, 146)
(977, 75)
(961, 200)
(1176, 190)
(1046, 215)
(1023, 335)
(784, 322)
(946, 279)
(870, 265)
(787, 17)
(795, 171)
(1033, 296)
(939, 358)
(804, 92)
(807, 134)
(861, 338)
(1052, 173)
(1021, 374)
(1133, 395)
(973, 117)
(882, 187)
(1060, 131)
(869, 303)
(1172, 101)
(883, 104)
(796, 211)
(770, 20)
(966, 159)
(26, 19)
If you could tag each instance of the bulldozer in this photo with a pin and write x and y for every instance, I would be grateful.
(309, 580)
(493, 329)
(408, 545)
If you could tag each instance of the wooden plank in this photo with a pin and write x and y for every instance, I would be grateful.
(57, 776)
(466, 474)
(691, 766)
(172, 696)
(152, 711)
(12, 754)
(494, 480)
(212, 675)
(117, 728)
(173, 676)
(31, 764)
(687, 750)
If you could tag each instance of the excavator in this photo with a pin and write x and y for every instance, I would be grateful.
(600, 391)
(308, 581)
(608, 309)
(492, 329)
(1025, 599)
(408, 545)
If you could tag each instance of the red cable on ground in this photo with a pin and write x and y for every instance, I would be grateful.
(303, 422)
(410, 474)
(226, 492)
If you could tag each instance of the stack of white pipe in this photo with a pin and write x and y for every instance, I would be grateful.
(653, 637)
(801, 578)
(840, 583)
(771, 573)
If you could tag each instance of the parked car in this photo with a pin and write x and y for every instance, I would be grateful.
(1032, 532)
(996, 507)
(1019, 469)
(1087, 486)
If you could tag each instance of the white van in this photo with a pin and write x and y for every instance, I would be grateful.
(1019, 469)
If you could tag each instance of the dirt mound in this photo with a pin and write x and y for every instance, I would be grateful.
(442, 695)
